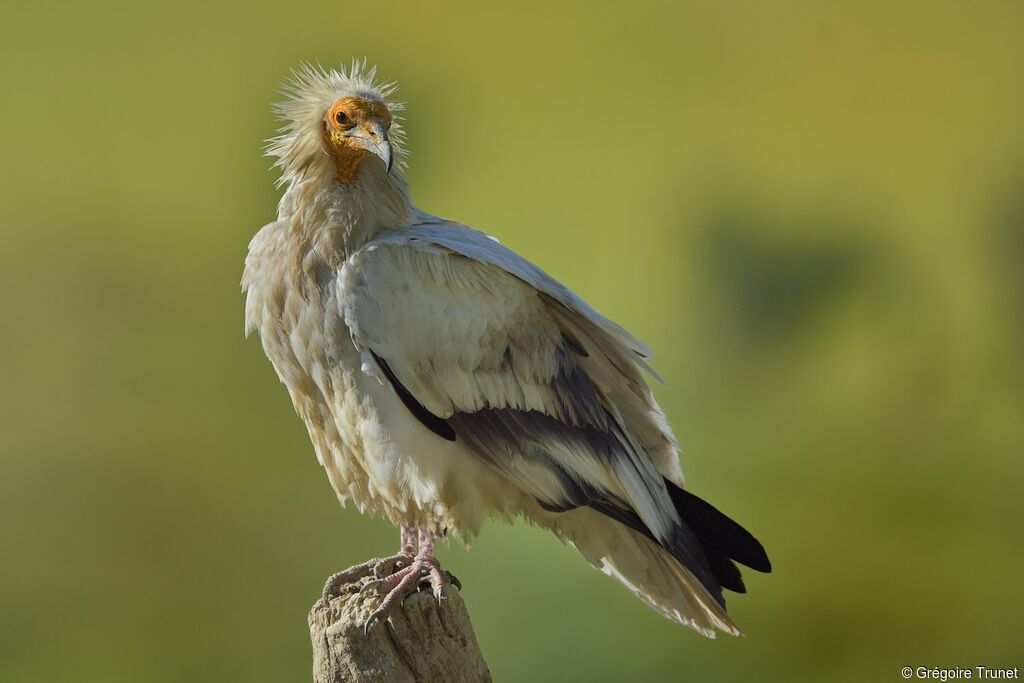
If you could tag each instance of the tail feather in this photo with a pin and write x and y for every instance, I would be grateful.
(649, 571)
(706, 543)
(725, 570)
(718, 532)
(682, 578)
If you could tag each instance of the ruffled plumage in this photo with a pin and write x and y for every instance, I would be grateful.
(445, 379)
(298, 146)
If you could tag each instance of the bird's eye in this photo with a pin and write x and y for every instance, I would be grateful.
(341, 117)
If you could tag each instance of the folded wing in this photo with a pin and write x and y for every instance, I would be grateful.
(482, 346)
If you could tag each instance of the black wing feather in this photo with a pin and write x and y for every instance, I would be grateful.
(436, 424)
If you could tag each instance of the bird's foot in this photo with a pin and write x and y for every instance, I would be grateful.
(421, 573)
(379, 567)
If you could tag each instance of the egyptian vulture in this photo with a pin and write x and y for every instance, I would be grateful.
(444, 379)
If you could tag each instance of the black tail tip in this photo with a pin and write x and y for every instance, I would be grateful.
(718, 531)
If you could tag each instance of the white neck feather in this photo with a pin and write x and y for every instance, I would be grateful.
(340, 217)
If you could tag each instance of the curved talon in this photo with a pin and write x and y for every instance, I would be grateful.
(436, 579)
(406, 581)
(453, 580)
(408, 578)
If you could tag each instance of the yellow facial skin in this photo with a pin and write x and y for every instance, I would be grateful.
(356, 129)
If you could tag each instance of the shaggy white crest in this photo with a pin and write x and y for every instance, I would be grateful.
(309, 93)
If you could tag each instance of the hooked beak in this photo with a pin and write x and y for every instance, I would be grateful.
(373, 137)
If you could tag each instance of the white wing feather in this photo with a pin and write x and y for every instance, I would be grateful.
(616, 354)
(467, 325)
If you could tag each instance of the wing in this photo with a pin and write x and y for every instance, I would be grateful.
(483, 346)
(610, 356)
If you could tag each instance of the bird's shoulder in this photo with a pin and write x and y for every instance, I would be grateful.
(443, 318)
(431, 238)
(441, 276)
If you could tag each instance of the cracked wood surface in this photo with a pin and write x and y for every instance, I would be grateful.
(423, 640)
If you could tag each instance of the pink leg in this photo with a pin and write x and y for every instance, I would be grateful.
(378, 567)
(403, 583)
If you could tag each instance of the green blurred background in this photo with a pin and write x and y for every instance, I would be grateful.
(814, 214)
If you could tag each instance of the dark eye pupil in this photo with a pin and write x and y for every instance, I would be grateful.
(341, 117)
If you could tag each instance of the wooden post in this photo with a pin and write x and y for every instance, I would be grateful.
(423, 641)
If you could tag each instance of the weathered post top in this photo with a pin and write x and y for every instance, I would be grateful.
(425, 640)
